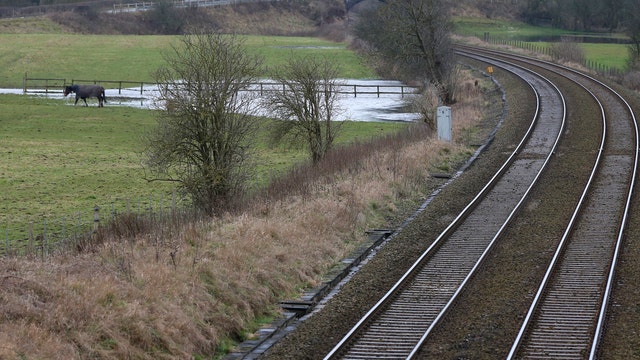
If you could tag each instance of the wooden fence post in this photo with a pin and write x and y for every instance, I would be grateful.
(44, 239)
(30, 249)
(96, 218)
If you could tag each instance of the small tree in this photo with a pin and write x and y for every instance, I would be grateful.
(568, 51)
(202, 135)
(415, 36)
(307, 104)
(632, 29)
(166, 17)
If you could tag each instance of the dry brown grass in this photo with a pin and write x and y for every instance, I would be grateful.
(267, 20)
(632, 80)
(277, 18)
(178, 293)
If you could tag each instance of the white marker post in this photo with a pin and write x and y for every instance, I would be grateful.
(445, 126)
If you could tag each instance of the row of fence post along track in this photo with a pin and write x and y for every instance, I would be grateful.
(543, 48)
(124, 87)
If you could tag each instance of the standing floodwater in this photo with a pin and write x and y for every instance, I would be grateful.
(366, 105)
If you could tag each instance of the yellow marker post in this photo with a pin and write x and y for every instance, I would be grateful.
(490, 70)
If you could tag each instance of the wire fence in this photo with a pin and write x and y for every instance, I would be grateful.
(544, 49)
(62, 233)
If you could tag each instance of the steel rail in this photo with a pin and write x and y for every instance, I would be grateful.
(604, 298)
(616, 254)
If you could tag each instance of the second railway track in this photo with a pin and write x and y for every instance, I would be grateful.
(567, 315)
(402, 319)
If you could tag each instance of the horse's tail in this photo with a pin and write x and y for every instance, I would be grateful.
(104, 98)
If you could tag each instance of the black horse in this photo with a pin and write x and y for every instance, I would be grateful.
(86, 91)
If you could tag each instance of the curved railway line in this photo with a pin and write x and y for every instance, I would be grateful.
(567, 315)
(402, 319)
(568, 309)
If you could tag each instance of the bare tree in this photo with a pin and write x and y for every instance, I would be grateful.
(307, 104)
(416, 36)
(201, 139)
(166, 17)
(632, 29)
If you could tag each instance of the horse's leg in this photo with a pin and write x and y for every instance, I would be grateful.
(85, 101)
(77, 98)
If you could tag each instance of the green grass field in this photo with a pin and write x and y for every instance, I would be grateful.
(58, 160)
(610, 55)
(135, 58)
(501, 29)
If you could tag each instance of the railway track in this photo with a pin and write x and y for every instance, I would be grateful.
(567, 314)
(397, 325)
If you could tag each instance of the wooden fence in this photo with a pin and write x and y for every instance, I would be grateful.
(54, 85)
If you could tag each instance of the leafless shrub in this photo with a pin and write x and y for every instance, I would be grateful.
(632, 80)
(566, 50)
(425, 104)
(200, 142)
(303, 178)
(307, 106)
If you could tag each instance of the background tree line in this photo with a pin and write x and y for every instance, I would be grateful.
(577, 15)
